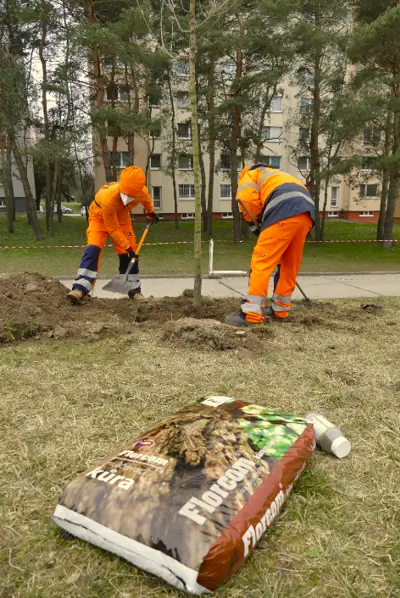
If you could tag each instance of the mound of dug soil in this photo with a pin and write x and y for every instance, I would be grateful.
(35, 306)
(209, 335)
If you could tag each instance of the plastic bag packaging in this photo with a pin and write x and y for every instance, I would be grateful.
(189, 499)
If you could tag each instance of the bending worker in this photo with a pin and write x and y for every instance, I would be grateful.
(109, 216)
(283, 207)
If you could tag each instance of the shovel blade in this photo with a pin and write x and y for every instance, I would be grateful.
(120, 285)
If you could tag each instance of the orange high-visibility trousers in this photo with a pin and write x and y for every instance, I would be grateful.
(282, 243)
(97, 236)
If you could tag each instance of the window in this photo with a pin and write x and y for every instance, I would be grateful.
(122, 159)
(186, 192)
(305, 76)
(184, 131)
(304, 135)
(369, 163)
(334, 197)
(117, 93)
(225, 162)
(371, 136)
(155, 161)
(155, 129)
(188, 216)
(227, 215)
(276, 104)
(2, 203)
(182, 99)
(154, 101)
(369, 191)
(225, 191)
(306, 105)
(304, 163)
(333, 214)
(271, 161)
(156, 194)
(181, 68)
(185, 162)
(366, 214)
(271, 133)
(228, 68)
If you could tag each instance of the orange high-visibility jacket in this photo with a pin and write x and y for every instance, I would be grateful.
(271, 195)
(107, 208)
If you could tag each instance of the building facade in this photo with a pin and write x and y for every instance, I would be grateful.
(355, 198)
(19, 193)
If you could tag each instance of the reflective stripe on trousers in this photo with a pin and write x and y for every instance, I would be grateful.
(253, 308)
(88, 268)
(281, 304)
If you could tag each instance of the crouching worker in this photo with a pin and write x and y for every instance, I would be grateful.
(285, 211)
(109, 216)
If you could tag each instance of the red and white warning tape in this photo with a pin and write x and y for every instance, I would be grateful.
(191, 243)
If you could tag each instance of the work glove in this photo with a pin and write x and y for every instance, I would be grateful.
(152, 217)
(254, 229)
(132, 254)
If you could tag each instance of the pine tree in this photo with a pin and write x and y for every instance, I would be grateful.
(376, 53)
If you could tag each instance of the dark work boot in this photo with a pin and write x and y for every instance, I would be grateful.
(239, 321)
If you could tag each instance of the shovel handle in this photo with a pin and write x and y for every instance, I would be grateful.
(142, 240)
(138, 248)
(249, 214)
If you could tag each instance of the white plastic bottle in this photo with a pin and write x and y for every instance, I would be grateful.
(329, 438)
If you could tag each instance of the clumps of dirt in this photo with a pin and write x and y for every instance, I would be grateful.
(35, 306)
(342, 376)
(372, 308)
(175, 308)
(208, 335)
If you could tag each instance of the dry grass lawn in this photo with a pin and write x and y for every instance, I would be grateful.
(64, 406)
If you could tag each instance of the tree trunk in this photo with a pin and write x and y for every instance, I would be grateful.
(394, 185)
(46, 128)
(237, 116)
(56, 190)
(196, 157)
(315, 172)
(173, 156)
(131, 136)
(30, 202)
(385, 177)
(211, 144)
(266, 104)
(203, 186)
(99, 97)
(5, 169)
(322, 229)
(394, 182)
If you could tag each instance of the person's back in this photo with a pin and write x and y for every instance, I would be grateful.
(284, 210)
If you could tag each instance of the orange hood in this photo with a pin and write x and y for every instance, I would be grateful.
(132, 181)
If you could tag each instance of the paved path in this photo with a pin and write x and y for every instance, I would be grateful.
(316, 287)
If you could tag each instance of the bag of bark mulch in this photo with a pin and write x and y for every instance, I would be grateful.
(189, 500)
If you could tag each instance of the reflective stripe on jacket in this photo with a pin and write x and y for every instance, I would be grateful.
(271, 195)
(109, 208)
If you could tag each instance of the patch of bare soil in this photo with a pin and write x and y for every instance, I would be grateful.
(209, 335)
(34, 306)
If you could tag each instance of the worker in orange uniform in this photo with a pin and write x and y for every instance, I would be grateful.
(109, 216)
(283, 207)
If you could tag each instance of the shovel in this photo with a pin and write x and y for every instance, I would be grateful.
(257, 224)
(120, 284)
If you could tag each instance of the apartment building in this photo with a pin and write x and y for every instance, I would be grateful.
(358, 200)
(19, 193)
